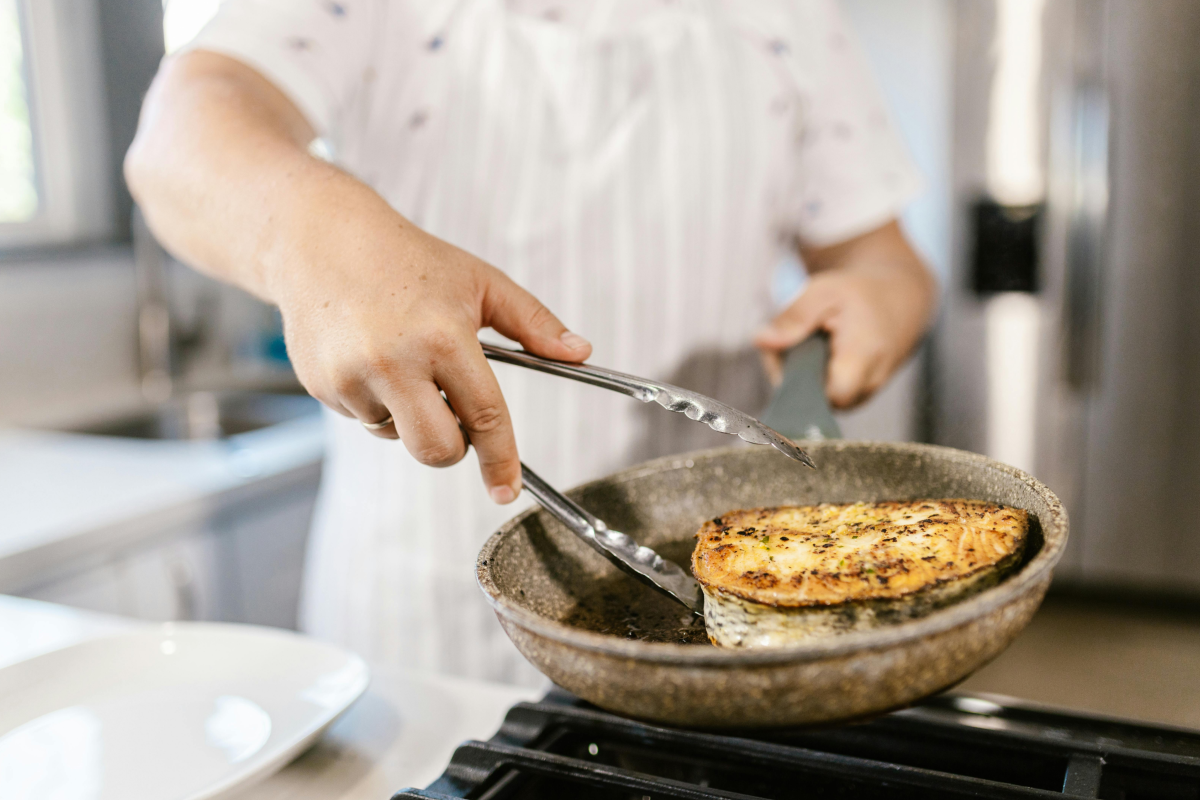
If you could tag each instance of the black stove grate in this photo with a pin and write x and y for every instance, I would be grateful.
(951, 746)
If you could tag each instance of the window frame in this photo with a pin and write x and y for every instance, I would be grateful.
(64, 92)
(87, 64)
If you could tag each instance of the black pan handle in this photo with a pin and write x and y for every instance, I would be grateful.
(800, 409)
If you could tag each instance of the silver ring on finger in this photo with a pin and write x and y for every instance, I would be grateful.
(377, 426)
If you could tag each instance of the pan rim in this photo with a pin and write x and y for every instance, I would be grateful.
(1037, 571)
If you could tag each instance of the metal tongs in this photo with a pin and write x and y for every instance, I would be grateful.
(695, 406)
(637, 561)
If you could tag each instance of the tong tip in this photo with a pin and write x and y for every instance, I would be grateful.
(789, 449)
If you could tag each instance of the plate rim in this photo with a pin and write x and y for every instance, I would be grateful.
(260, 765)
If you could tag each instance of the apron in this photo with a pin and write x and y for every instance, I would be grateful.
(632, 165)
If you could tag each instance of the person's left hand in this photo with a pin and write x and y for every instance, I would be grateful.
(874, 297)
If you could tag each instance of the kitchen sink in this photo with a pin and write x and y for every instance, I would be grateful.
(207, 415)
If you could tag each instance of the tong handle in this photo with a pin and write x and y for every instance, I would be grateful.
(639, 563)
(695, 406)
(597, 376)
(563, 508)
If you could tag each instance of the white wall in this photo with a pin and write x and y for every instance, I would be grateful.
(910, 46)
(68, 334)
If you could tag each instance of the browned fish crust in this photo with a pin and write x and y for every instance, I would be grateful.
(828, 554)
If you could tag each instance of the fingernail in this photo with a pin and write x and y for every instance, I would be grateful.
(574, 340)
(502, 495)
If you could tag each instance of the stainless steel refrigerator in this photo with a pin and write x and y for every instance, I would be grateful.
(1069, 340)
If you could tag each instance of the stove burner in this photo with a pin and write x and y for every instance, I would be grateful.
(951, 746)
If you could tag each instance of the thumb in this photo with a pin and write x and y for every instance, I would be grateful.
(848, 381)
(515, 313)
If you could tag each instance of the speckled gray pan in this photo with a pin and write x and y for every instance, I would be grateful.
(533, 571)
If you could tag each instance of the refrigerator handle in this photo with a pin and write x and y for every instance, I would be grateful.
(1085, 244)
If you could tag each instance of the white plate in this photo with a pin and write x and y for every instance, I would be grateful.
(182, 710)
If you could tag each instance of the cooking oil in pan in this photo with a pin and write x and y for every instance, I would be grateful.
(623, 607)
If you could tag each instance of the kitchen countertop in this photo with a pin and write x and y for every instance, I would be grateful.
(66, 496)
(400, 733)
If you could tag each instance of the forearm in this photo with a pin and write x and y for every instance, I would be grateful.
(380, 318)
(221, 169)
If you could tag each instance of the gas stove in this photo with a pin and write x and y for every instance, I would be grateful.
(951, 746)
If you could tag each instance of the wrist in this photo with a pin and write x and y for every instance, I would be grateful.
(323, 214)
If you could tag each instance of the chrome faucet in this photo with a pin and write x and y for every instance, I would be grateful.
(163, 343)
(154, 313)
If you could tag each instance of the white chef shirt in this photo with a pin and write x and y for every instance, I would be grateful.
(639, 165)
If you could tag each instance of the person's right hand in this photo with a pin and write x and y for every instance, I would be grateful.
(380, 318)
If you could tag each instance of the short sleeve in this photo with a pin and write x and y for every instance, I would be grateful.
(853, 172)
(317, 52)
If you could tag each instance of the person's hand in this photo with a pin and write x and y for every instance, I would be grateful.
(380, 318)
(873, 296)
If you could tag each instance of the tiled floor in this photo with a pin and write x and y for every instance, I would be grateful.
(1107, 657)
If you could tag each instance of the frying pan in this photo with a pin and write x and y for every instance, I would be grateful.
(535, 573)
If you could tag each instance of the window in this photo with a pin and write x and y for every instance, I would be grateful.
(56, 177)
(18, 176)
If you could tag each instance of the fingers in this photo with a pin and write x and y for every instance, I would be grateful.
(363, 406)
(517, 314)
(772, 364)
(804, 317)
(796, 323)
(846, 378)
(856, 368)
(328, 395)
(348, 394)
(428, 426)
(424, 422)
(471, 387)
